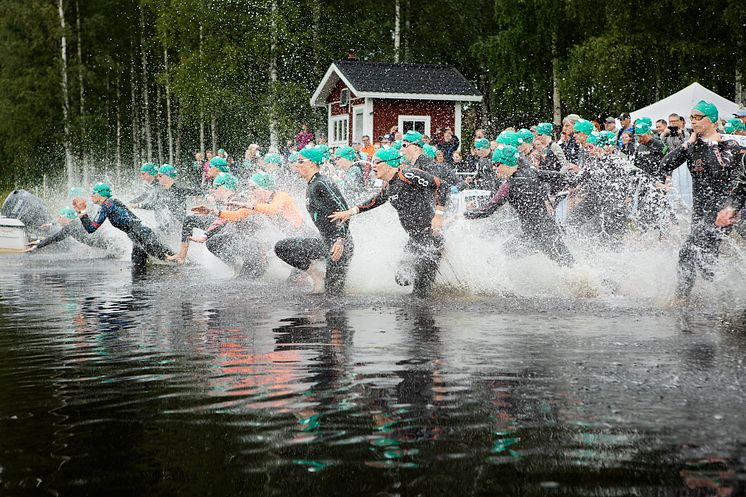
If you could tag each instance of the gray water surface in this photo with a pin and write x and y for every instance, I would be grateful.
(184, 384)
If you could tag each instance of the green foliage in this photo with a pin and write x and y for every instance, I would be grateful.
(610, 57)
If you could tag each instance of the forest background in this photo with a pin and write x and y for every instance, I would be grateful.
(91, 84)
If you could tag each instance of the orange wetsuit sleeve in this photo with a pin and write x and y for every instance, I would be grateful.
(235, 215)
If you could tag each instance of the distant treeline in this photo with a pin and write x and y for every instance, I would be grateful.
(160, 79)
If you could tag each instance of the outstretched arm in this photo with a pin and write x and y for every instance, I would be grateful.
(497, 200)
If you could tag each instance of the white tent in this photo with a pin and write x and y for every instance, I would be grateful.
(682, 103)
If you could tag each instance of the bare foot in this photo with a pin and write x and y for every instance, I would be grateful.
(178, 258)
(318, 279)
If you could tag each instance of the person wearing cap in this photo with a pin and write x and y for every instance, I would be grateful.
(335, 245)
(484, 177)
(169, 202)
(649, 151)
(713, 164)
(610, 124)
(740, 114)
(419, 199)
(524, 191)
(551, 154)
(626, 127)
(353, 182)
(144, 240)
(148, 174)
(413, 151)
(74, 230)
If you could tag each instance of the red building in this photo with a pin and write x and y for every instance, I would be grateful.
(368, 98)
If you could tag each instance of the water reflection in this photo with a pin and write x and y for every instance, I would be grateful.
(177, 384)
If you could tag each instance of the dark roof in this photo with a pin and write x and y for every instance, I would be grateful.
(386, 77)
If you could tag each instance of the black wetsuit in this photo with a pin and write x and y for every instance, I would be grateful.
(525, 193)
(144, 241)
(76, 231)
(322, 199)
(414, 194)
(603, 187)
(713, 167)
(445, 172)
(171, 200)
(485, 179)
(648, 157)
(572, 149)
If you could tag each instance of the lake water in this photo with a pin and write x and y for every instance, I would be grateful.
(184, 383)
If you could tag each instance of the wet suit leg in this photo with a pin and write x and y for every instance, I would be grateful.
(422, 256)
(700, 251)
(191, 222)
(549, 240)
(145, 243)
(221, 246)
(301, 252)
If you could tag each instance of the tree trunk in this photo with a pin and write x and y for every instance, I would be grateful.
(739, 87)
(145, 103)
(316, 41)
(273, 78)
(118, 149)
(201, 104)
(556, 101)
(65, 100)
(80, 60)
(214, 132)
(136, 159)
(168, 110)
(158, 134)
(179, 127)
(407, 25)
(397, 29)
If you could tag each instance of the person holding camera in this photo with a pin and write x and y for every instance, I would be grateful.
(675, 134)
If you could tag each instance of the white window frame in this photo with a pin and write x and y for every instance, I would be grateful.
(425, 119)
(341, 124)
(358, 113)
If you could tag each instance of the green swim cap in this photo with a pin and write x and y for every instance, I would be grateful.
(326, 151)
(273, 158)
(429, 150)
(607, 138)
(594, 138)
(226, 180)
(167, 170)
(314, 154)
(221, 150)
(642, 128)
(508, 137)
(219, 163)
(507, 155)
(397, 144)
(68, 212)
(263, 180)
(481, 143)
(584, 126)
(734, 125)
(346, 152)
(101, 189)
(149, 168)
(708, 110)
(645, 120)
(545, 129)
(413, 137)
(388, 155)
(293, 157)
(525, 135)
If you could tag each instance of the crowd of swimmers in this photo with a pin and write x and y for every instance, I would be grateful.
(584, 173)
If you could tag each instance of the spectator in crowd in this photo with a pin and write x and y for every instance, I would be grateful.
(660, 126)
(675, 134)
(449, 144)
(368, 149)
(303, 137)
(741, 114)
(626, 122)
(386, 140)
(628, 144)
(610, 124)
(569, 146)
(440, 157)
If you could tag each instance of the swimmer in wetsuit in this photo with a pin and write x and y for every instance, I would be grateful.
(144, 241)
(169, 201)
(419, 199)
(72, 230)
(335, 244)
(524, 191)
